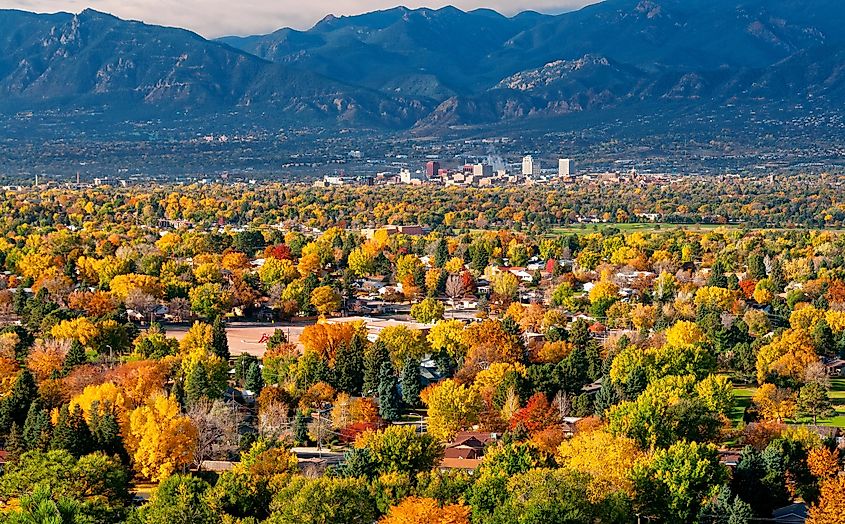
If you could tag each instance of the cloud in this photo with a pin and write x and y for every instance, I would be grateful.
(213, 18)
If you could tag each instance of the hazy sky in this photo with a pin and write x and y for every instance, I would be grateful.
(214, 18)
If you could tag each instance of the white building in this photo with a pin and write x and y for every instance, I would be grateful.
(530, 167)
(406, 176)
(565, 167)
(482, 170)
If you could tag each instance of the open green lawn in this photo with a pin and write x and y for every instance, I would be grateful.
(743, 395)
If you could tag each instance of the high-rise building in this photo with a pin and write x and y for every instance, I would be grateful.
(565, 167)
(530, 167)
(432, 169)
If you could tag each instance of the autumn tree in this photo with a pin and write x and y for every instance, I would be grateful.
(451, 407)
(416, 510)
(325, 300)
(428, 311)
(161, 440)
(831, 503)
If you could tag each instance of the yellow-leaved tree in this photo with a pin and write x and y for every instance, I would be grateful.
(606, 458)
(161, 439)
(416, 510)
(451, 408)
(788, 355)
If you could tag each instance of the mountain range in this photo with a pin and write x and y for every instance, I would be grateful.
(429, 70)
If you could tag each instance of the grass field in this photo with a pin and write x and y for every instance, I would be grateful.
(648, 227)
(743, 396)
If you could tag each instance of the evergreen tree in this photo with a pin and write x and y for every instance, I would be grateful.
(19, 302)
(196, 383)
(15, 445)
(75, 357)
(717, 276)
(107, 434)
(300, 429)
(374, 359)
(62, 433)
(607, 397)
(756, 266)
(219, 342)
(441, 253)
(37, 428)
(15, 407)
(824, 339)
(410, 382)
(254, 381)
(349, 360)
(81, 441)
(388, 397)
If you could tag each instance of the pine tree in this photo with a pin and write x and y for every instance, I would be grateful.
(75, 356)
(62, 433)
(107, 434)
(219, 342)
(300, 429)
(388, 397)
(254, 381)
(16, 406)
(374, 359)
(441, 253)
(410, 382)
(349, 360)
(196, 383)
(37, 428)
(15, 445)
(79, 440)
(19, 302)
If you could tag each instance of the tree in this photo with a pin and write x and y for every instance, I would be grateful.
(416, 510)
(210, 300)
(161, 440)
(326, 300)
(388, 396)
(409, 381)
(505, 285)
(37, 429)
(254, 381)
(787, 356)
(831, 503)
(75, 356)
(40, 507)
(323, 500)
(774, 403)
(814, 401)
(15, 407)
(219, 340)
(300, 429)
(455, 288)
(349, 361)
(197, 384)
(401, 449)
(428, 311)
(725, 508)
(179, 498)
(451, 408)
(72, 433)
(606, 458)
(673, 482)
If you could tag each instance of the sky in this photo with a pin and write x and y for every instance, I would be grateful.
(213, 18)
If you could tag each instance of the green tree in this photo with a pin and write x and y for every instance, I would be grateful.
(15, 407)
(179, 498)
(75, 356)
(219, 341)
(428, 311)
(674, 482)
(400, 449)
(300, 428)
(388, 397)
(197, 383)
(814, 402)
(374, 358)
(37, 429)
(409, 381)
(349, 361)
(254, 381)
(323, 500)
(725, 508)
